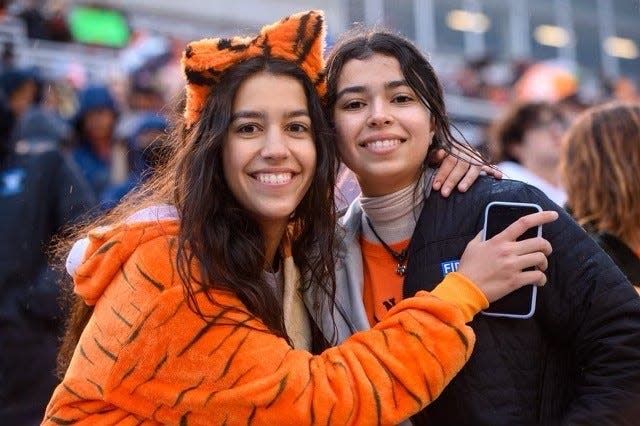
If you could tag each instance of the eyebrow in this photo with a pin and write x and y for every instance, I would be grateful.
(261, 115)
(361, 89)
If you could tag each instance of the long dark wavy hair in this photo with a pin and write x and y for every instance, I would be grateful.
(361, 43)
(216, 233)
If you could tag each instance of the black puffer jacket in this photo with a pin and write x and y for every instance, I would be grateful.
(39, 193)
(575, 362)
(621, 254)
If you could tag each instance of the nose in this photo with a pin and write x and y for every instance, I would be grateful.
(275, 144)
(379, 115)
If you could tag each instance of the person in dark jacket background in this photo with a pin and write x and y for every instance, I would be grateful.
(95, 124)
(40, 192)
(576, 361)
(144, 152)
(600, 167)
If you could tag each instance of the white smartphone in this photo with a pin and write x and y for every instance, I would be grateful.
(498, 215)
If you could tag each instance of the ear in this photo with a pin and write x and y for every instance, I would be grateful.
(433, 128)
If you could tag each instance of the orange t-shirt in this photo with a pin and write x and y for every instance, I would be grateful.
(382, 285)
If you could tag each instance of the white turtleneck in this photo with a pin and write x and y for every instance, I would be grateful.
(394, 215)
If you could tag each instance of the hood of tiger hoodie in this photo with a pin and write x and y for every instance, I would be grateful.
(94, 261)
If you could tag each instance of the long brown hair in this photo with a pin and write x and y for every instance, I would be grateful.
(600, 162)
(362, 43)
(216, 233)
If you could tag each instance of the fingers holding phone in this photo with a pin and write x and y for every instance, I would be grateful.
(508, 258)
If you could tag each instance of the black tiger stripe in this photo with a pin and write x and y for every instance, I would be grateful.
(333, 407)
(97, 385)
(202, 332)
(227, 364)
(266, 46)
(386, 339)
(183, 419)
(153, 282)
(233, 331)
(231, 386)
(353, 396)
(283, 359)
(227, 44)
(160, 363)
(459, 332)
(319, 79)
(241, 376)
(281, 388)
(85, 356)
(104, 350)
(172, 314)
(72, 392)
(429, 391)
(105, 247)
(300, 35)
(197, 78)
(393, 377)
(184, 392)
(463, 338)
(127, 374)
(252, 415)
(141, 235)
(59, 421)
(121, 318)
(126, 279)
(150, 378)
(376, 398)
(102, 410)
(308, 42)
(304, 388)
(224, 423)
(155, 411)
(136, 332)
(435, 358)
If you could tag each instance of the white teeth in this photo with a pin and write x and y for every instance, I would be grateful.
(387, 143)
(273, 178)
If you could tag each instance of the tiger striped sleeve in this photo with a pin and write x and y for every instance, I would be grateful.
(174, 367)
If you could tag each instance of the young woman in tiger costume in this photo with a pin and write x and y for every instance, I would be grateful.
(190, 304)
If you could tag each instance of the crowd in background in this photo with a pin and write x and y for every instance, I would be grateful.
(71, 150)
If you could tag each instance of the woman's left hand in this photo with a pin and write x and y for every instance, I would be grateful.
(462, 171)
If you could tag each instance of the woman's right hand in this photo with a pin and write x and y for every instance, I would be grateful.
(496, 266)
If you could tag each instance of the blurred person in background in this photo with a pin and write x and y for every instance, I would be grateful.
(600, 168)
(95, 124)
(22, 89)
(144, 152)
(40, 192)
(525, 144)
(40, 130)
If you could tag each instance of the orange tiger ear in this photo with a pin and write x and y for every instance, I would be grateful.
(297, 38)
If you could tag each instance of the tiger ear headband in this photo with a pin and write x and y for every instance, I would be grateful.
(297, 38)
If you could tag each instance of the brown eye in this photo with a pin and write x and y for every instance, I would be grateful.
(297, 128)
(353, 105)
(247, 128)
(402, 99)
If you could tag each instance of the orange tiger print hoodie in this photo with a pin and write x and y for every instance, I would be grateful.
(146, 358)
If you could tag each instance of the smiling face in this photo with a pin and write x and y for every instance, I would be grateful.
(269, 156)
(383, 130)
